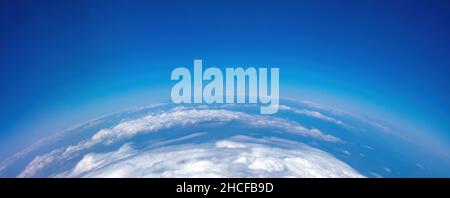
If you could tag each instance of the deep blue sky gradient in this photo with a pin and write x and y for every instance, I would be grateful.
(65, 62)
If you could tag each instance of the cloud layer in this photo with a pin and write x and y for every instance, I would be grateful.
(239, 156)
(182, 117)
(176, 118)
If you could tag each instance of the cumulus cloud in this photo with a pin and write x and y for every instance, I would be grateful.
(239, 156)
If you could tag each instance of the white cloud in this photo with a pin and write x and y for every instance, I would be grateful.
(314, 114)
(376, 175)
(175, 118)
(229, 144)
(234, 157)
(368, 147)
(38, 163)
(181, 117)
(315, 105)
(96, 161)
(337, 111)
(345, 152)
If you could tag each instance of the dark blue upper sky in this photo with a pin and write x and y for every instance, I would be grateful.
(64, 62)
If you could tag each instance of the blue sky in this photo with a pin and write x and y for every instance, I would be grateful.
(66, 62)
